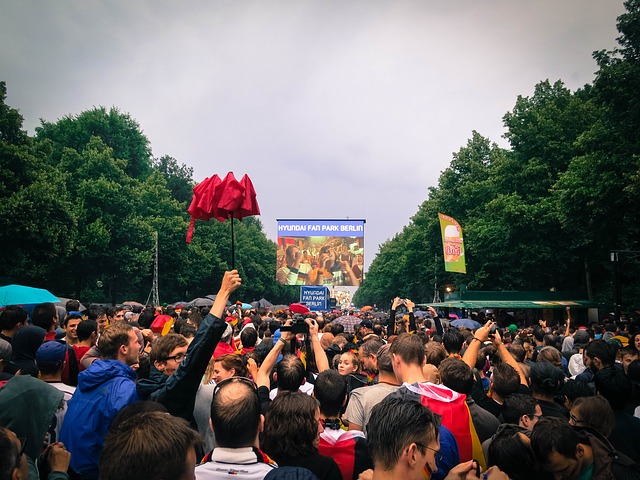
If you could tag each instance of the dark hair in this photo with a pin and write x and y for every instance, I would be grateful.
(290, 427)
(85, 329)
(394, 424)
(135, 408)
(613, 385)
(44, 315)
(11, 316)
(409, 348)
(162, 347)
(516, 405)
(573, 389)
(72, 305)
(452, 340)
(595, 412)
(505, 379)
(291, 373)
(146, 318)
(383, 358)
(113, 337)
(337, 329)
(552, 434)
(9, 455)
(331, 391)
(95, 311)
(546, 379)
(602, 350)
(138, 447)
(512, 455)
(456, 375)
(71, 316)
(235, 414)
(249, 337)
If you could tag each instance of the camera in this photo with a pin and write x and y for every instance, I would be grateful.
(298, 326)
(493, 329)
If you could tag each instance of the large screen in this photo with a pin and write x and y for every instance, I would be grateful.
(320, 252)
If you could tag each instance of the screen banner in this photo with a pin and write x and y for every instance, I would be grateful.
(320, 252)
(452, 244)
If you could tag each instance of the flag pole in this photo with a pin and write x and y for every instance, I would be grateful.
(233, 248)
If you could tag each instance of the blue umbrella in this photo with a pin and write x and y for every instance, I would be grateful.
(21, 295)
(466, 323)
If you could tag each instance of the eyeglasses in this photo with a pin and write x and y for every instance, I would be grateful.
(178, 357)
(229, 380)
(436, 453)
(575, 419)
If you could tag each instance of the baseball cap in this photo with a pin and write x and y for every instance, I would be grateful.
(512, 328)
(366, 324)
(581, 338)
(50, 353)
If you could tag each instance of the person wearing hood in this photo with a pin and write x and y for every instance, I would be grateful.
(25, 345)
(176, 375)
(104, 389)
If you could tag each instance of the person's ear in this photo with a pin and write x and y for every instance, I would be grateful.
(579, 451)
(234, 372)
(160, 366)
(261, 424)
(525, 421)
(211, 425)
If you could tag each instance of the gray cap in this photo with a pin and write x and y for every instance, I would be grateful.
(5, 351)
(580, 338)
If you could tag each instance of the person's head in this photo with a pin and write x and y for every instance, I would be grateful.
(384, 360)
(522, 410)
(635, 342)
(119, 342)
(12, 317)
(291, 252)
(581, 339)
(45, 316)
(87, 330)
(337, 329)
(327, 257)
(510, 450)
(517, 351)
(559, 448)
(150, 445)
(546, 379)
(573, 389)
(13, 461)
(290, 373)
(452, 341)
(456, 375)
(504, 380)
(409, 349)
(368, 352)
(434, 353)
(594, 412)
(235, 413)
(291, 426)
(227, 366)
(349, 363)
(71, 323)
(628, 355)
(615, 386)
(330, 390)
(115, 314)
(167, 352)
(72, 305)
(249, 337)
(550, 355)
(403, 431)
(599, 354)
(50, 357)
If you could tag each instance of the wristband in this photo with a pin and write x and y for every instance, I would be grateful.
(293, 270)
(282, 340)
(474, 338)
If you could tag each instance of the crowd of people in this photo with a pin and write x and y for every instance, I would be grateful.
(219, 392)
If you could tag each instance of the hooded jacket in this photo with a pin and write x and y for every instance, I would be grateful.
(177, 392)
(608, 464)
(103, 390)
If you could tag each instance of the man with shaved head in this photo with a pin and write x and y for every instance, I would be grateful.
(236, 422)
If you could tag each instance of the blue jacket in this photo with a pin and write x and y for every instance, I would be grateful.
(103, 390)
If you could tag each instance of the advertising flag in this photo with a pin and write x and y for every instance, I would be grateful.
(452, 244)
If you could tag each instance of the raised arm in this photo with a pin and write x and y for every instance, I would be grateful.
(264, 373)
(506, 356)
(480, 336)
(322, 362)
(436, 320)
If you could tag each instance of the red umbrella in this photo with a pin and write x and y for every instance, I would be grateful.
(222, 199)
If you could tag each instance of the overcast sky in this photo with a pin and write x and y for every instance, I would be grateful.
(335, 109)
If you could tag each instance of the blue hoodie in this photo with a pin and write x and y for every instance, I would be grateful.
(103, 390)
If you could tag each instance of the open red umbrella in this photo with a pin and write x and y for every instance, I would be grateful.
(223, 199)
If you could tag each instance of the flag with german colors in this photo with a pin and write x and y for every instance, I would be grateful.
(452, 244)
(453, 409)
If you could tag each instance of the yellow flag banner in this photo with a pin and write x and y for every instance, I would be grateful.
(452, 244)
